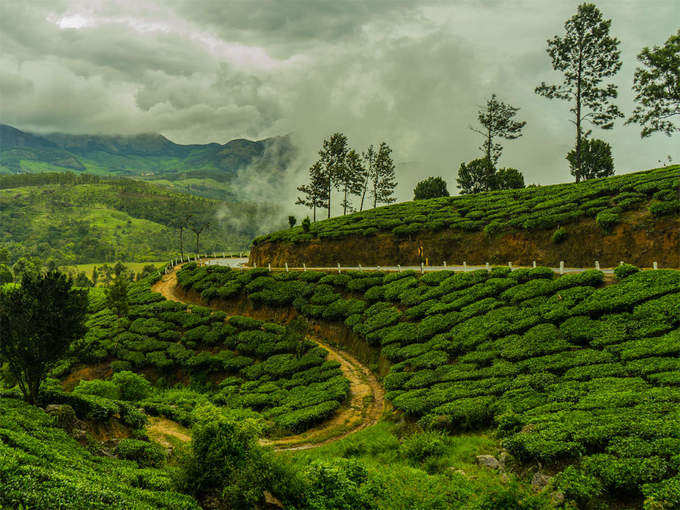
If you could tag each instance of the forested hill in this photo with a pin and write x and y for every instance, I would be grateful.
(150, 156)
(79, 218)
(633, 217)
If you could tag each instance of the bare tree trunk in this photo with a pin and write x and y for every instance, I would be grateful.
(578, 121)
(181, 241)
(363, 196)
(329, 197)
(488, 146)
(344, 203)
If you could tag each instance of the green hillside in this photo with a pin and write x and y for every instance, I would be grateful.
(574, 376)
(496, 212)
(80, 218)
(209, 170)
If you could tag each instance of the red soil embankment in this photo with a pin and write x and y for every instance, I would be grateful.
(639, 239)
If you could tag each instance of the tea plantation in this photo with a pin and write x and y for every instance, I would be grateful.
(531, 208)
(41, 466)
(574, 375)
(240, 363)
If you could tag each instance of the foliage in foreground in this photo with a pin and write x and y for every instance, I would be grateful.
(242, 363)
(569, 371)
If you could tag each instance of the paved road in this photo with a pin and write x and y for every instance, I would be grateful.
(241, 263)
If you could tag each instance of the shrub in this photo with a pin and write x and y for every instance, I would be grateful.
(132, 386)
(418, 447)
(624, 270)
(606, 220)
(559, 235)
(106, 389)
(143, 452)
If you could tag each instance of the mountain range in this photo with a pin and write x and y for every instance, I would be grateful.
(150, 155)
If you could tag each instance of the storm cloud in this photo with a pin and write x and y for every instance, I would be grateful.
(408, 72)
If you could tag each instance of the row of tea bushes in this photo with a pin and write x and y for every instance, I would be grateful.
(565, 367)
(41, 466)
(531, 208)
(239, 362)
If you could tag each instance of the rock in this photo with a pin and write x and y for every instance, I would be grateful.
(63, 414)
(505, 459)
(539, 481)
(488, 461)
(557, 498)
(458, 471)
(79, 434)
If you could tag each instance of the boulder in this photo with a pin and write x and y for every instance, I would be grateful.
(64, 416)
(539, 481)
(488, 461)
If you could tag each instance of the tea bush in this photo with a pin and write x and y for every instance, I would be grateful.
(586, 372)
(531, 208)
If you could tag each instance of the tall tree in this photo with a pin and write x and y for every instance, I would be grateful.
(198, 226)
(587, 56)
(350, 180)
(333, 158)
(476, 176)
(39, 320)
(383, 179)
(315, 193)
(181, 223)
(497, 121)
(368, 170)
(657, 88)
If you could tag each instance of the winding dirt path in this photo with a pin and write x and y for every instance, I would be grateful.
(363, 408)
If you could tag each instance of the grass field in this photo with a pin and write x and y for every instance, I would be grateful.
(87, 268)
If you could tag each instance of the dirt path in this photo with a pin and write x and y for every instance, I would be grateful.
(363, 408)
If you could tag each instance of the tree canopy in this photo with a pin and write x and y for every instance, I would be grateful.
(657, 88)
(432, 187)
(39, 320)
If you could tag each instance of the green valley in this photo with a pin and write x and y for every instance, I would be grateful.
(81, 218)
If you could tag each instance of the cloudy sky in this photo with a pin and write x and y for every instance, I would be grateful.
(409, 72)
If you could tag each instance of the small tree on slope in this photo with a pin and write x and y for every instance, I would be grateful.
(38, 322)
(497, 122)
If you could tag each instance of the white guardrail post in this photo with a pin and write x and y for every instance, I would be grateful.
(655, 265)
(561, 266)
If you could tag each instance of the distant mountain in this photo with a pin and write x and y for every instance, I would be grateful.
(148, 155)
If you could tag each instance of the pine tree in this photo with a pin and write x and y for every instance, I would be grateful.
(497, 122)
(333, 158)
(587, 55)
(350, 180)
(383, 179)
(314, 194)
(368, 170)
